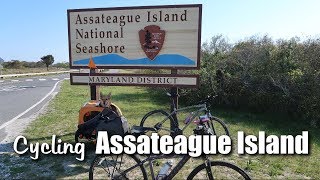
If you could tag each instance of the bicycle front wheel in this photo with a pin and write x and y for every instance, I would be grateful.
(121, 166)
(219, 127)
(218, 170)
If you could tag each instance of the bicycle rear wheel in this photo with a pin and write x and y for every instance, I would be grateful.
(155, 118)
(116, 167)
(219, 170)
(219, 127)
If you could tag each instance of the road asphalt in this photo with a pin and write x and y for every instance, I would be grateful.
(22, 98)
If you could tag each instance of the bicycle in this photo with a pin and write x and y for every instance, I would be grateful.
(132, 167)
(163, 126)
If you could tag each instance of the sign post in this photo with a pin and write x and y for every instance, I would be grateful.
(174, 104)
(93, 88)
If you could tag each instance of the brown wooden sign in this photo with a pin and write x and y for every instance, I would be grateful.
(153, 80)
(136, 37)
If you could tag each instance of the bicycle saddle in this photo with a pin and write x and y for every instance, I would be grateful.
(172, 95)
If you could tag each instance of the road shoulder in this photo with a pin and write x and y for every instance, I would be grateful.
(15, 129)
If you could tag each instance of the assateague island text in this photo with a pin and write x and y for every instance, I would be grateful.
(193, 145)
(108, 27)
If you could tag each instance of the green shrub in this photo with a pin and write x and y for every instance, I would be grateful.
(259, 74)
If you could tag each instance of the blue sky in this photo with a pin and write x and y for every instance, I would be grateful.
(30, 29)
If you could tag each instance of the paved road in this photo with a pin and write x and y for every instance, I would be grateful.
(20, 98)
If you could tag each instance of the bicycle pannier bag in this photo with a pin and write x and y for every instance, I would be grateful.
(107, 120)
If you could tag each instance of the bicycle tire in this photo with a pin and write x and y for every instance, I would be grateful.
(152, 118)
(223, 125)
(218, 169)
(126, 162)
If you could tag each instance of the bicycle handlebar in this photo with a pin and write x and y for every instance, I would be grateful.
(205, 101)
(209, 98)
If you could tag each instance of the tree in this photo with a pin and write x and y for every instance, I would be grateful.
(48, 60)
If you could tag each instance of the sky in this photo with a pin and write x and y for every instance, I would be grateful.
(30, 29)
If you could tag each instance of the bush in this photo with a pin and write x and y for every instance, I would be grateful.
(61, 65)
(261, 75)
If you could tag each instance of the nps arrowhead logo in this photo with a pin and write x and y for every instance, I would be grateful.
(151, 40)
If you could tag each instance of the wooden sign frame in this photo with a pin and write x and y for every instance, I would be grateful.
(197, 60)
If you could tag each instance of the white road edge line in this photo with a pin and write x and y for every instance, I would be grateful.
(23, 113)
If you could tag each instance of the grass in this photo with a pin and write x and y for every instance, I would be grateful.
(62, 116)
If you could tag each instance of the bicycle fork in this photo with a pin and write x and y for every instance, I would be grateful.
(207, 163)
(151, 169)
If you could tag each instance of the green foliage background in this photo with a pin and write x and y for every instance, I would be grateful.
(262, 75)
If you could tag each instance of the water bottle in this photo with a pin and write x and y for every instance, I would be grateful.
(164, 169)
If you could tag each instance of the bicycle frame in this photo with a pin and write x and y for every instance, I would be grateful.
(202, 107)
(174, 171)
